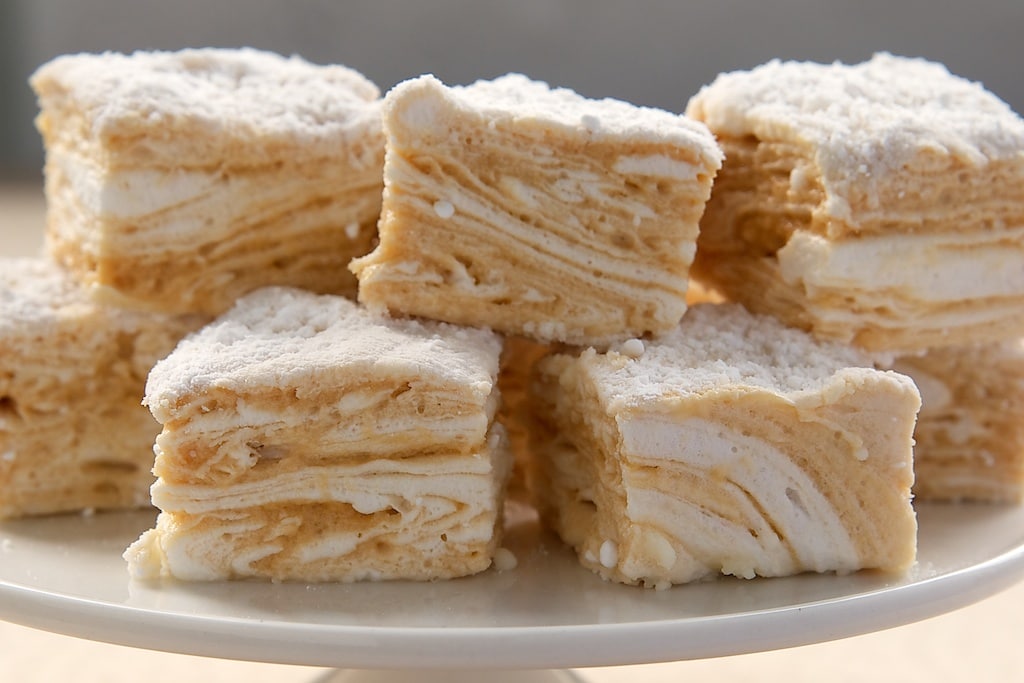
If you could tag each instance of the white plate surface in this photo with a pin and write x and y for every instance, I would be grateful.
(65, 574)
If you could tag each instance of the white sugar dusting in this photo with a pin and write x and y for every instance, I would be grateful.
(504, 560)
(280, 337)
(225, 89)
(721, 345)
(444, 209)
(609, 554)
(634, 348)
(515, 98)
(875, 117)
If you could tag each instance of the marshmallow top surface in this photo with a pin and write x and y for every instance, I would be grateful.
(284, 338)
(220, 90)
(515, 98)
(722, 347)
(39, 298)
(880, 113)
(37, 291)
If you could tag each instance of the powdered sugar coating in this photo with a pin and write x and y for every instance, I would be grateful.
(723, 347)
(37, 292)
(515, 97)
(45, 314)
(222, 91)
(288, 338)
(865, 122)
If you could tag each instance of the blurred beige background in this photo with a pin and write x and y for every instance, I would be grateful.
(652, 52)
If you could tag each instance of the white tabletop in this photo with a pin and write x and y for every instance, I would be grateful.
(979, 642)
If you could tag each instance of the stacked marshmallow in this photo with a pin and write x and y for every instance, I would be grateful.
(880, 204)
